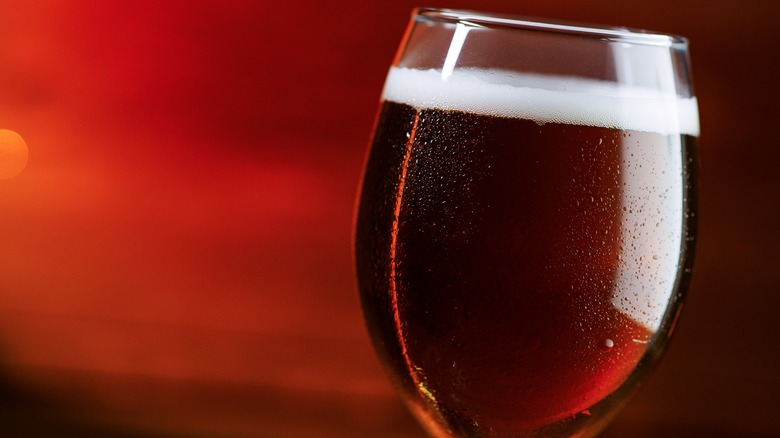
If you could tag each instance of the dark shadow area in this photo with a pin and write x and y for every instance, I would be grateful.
(91, 404)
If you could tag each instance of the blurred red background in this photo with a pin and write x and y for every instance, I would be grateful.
(176, 256)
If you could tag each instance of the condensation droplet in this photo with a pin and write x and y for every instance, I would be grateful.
(607, 344)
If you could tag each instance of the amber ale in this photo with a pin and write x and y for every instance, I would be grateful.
(515, 263)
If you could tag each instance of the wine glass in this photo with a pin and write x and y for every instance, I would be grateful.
(525, 232)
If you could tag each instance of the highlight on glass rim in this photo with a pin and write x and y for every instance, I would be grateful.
(526, 223)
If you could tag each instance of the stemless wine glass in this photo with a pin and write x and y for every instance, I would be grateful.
(525, 231)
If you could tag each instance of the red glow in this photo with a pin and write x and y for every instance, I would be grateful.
(175, 255)
(182, 218)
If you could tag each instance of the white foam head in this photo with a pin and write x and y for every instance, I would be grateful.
(545, 99)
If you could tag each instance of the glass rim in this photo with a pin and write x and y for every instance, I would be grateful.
(502, 21)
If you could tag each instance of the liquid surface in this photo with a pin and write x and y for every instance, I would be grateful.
(545, 99)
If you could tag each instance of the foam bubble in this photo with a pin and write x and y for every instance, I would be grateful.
(545, 99)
